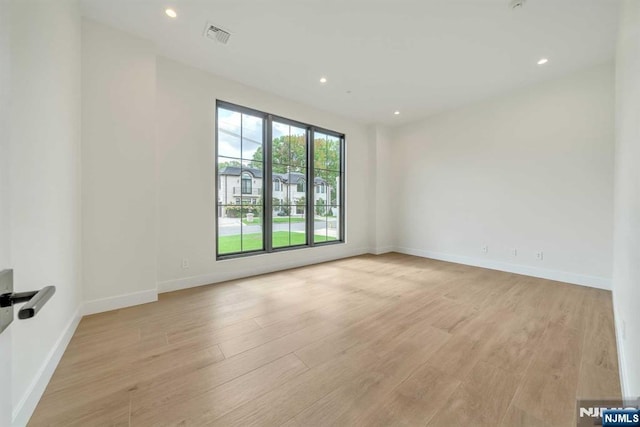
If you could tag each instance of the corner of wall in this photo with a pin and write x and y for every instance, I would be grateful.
(381, 222)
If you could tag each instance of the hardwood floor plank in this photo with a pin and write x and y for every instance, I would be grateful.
(281, 404)
(376, 327)
(415, 401)
(405, 353)
(600, 337)
(123, 375)
(597, 382)
(241, 343)
(514, 344)
(460, 354)
(517, 417)
(210, 332)
(206, 407)
(112, 410)
(549, 388)
(549, 397)
(481, 400)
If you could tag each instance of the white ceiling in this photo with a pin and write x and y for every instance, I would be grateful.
(416, 56)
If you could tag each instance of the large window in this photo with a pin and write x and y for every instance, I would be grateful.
(300, 205)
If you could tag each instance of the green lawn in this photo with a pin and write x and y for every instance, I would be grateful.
(276, 220)
(249, 242)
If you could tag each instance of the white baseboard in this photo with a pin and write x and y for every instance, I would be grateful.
(120, 301)
(382, 250)
(27, 404)
(622, 360)
(259, 268)
(560, 276)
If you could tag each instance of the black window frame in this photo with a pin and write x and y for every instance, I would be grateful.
(268, 190)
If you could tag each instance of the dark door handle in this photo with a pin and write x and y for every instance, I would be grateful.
(35, 301)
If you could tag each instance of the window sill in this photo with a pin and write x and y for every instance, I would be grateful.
(237, 255)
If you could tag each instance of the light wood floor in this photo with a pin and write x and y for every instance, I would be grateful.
(371, 340)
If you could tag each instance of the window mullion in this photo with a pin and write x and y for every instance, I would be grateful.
(310, 189)
(267, 226)
(241, 195)
(342, 199)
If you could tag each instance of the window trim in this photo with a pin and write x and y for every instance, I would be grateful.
(267, 190)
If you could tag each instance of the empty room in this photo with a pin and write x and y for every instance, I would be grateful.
(319, 213)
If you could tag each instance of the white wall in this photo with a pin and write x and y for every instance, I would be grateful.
(531, 170)
(382, 228)
(5, 233)
(5, 104)
(45, 184)
(118, 166)
(626, 275)
(186, 178)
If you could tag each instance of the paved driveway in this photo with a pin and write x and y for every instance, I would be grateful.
(231, 226)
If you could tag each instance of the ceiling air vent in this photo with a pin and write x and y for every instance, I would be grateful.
(216, 33)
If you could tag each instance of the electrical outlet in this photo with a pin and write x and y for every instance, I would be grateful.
(185, 263)
(484, 249)
(540, 256)
(514, 251)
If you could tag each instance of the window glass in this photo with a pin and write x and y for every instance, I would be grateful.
(289, 160)
(240, 172)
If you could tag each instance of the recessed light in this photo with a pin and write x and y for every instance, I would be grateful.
(323, 79)
(543, 61)
(171, 13)
(397, 113)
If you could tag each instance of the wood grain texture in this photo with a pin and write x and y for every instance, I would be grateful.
(370, 340)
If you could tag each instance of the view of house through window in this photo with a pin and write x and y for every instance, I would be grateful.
(327, 161)
(240, 202)
(289, 212)
(289, 166)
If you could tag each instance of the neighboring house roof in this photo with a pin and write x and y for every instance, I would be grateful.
(288, 178)
(291, 177)
(295, 177)
(237, 171)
